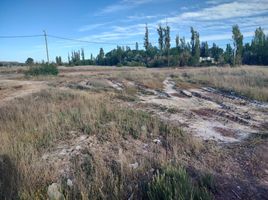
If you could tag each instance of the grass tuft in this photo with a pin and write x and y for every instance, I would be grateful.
(175, 183)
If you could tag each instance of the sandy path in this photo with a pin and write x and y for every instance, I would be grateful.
(208, 113)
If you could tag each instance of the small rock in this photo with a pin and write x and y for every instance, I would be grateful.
(78, 148)
(157, 141)
(45, 157)
(145, 146)
(134, 165)
(186, 93)
(54, 192)
(152, 170)
(82, 138)
(63, 152)
(69, 182)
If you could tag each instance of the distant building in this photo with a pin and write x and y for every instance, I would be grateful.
(207, 60)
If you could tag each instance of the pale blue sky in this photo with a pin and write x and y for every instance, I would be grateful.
(119, 22)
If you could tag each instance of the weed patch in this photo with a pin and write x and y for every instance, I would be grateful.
(43, 70)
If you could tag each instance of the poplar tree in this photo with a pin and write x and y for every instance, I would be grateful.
(83, 55)
(238, 45)
(177, 40)
(160, 31)
(137, 46)
(146, 38)
(228, 54)
(167, 41)
(167, 38)
(204, 52)
(195, 46)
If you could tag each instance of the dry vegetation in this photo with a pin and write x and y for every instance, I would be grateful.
(32, 126)
(89, 127)
(248, 81)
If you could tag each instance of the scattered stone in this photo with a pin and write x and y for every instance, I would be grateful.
(45, 157)
(186, 93)
(69, 182)
(63, 152)
(78, 148)
(54, 192)
(134, 165)
(152, 170)
(145, 146)
(157, 141)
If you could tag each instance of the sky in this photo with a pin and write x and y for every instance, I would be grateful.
(119, 22)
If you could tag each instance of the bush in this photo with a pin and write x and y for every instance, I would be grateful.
(175, 183)
(46, 69)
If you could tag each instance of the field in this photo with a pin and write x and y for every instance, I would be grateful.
(134, 133)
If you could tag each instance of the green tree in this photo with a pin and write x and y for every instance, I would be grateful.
(83, 55)
(258, 46)
(137, 46)
(100, 57)
(195, 46)
(238, 45)
(160, 31)
(177, 41)
(146, 38)
(167, 38)
(29, 61)
(167, 42)
(259, 37)
(69, 60)
(216, 52)
(204, 51)
(58, 60)
(228, 54)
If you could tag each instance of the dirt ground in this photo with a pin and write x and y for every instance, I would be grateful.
(237, 125)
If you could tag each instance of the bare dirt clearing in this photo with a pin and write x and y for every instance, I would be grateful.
(209, 113)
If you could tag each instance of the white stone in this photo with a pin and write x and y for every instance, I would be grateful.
(78, 148)
(54, 193)
(186, 93)
(69, 182)
(134, 165)
(157, 141)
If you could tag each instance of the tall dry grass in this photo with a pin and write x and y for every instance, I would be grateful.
(248, 81)
(30, 126)
(145, 77)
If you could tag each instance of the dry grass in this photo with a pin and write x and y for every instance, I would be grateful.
(144, 77)
(249, 81)
(35, 125)
(31, 126)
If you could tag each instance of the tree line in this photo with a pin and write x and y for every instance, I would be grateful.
(193, 53)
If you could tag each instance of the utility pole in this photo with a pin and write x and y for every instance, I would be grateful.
(45, 35)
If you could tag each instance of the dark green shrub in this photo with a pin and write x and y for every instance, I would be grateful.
(46, 69)
(175, 183)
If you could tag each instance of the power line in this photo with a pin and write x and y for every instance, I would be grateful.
(86, 41)
(20, 36)
(64, 38)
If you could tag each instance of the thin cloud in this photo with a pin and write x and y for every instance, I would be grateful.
(91, 27)
(123, 5)
(214, 21)
(225, 11)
